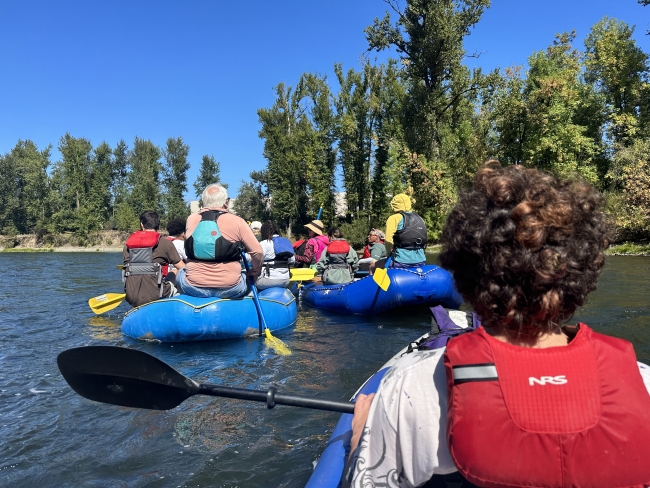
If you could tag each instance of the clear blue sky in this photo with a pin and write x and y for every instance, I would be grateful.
(157, 69)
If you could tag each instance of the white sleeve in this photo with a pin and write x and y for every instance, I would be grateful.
(404, 440)
(644, 369)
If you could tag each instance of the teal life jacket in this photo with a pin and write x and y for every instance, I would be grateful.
(207, 244)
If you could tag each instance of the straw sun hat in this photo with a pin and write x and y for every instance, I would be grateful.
(316, 226)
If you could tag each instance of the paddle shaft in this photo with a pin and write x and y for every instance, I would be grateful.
(256, 297)
(272, 398)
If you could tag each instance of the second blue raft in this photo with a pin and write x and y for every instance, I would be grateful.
(185, 318)
(426, 285)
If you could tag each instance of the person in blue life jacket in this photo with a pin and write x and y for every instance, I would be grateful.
(339, 261)
(524, 400)
(278, 255)
(406, 236)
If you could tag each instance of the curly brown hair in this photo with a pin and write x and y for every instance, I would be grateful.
(525, 248)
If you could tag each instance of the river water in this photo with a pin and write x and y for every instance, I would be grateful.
(50, 436)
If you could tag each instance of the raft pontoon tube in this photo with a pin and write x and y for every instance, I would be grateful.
(185, 318)
(423, 286)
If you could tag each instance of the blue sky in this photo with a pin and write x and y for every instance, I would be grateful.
(157, 69)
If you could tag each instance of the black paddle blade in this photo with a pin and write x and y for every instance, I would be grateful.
(124, 377)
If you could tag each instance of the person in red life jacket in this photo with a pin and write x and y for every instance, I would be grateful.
(339, 261)
(374, 250)
(523, 400)
(299, 250)
(214, 239)
(176, 230)
(316, 243)
(146, 257)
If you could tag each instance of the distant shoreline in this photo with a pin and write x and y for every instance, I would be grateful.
(60, 249)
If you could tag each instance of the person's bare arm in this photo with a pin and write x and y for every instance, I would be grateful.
(361, 409)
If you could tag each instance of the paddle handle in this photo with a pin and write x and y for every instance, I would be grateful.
(256, 297)
(320, 211)
(272, 398)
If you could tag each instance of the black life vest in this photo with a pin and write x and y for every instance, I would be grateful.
(413, 234)
(208, 244)
(140, 245)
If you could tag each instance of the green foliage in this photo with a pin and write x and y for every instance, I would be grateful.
(26, 190)
(618, 69)
(252, 199)
(144, 178)
(209, 173)
(629, 249)
(175, 178)
(635, 163)
(355, 232)
(126, 220)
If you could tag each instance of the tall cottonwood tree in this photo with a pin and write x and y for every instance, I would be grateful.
(290, 147)
(210, 172)
(144, 178)
(175, 177)
(25, 190)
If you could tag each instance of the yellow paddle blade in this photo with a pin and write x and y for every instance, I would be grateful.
(119, 266)
(380, 276)
(276, 344)
(302, 274)
(106, 302)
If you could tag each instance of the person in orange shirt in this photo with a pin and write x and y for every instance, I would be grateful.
(214, 240)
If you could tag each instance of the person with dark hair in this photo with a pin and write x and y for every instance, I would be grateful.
(524, 400)
(176, 231)
(278, 255)
(146, 260)
(339, 261)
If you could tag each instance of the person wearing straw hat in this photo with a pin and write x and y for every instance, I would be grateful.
(315, 245)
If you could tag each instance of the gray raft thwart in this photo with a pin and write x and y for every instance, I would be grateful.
(185, 318)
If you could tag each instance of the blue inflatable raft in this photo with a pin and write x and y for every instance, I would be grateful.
(184, 318)
(329, 468)
(427, 286)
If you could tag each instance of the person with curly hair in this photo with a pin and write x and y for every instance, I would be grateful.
(524, 400)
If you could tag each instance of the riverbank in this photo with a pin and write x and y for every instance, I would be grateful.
(629, 249)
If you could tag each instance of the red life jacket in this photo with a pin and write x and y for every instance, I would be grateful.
(561, 416)
(140, 245)
(366, 251)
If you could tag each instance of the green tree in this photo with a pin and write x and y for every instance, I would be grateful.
(291, 146)
(82, 180)
(209, 173)
(619, 70)
(428, 36)
(252, 200)
(144, 178)
(120, 182)
(321, 177)
(175, 177)
(102, 173)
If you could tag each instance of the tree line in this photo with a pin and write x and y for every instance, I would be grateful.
(95, 188)
(423, 123)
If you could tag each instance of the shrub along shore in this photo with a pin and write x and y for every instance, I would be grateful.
(113, 241)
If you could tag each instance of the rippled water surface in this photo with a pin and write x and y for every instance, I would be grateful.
(49, 436)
